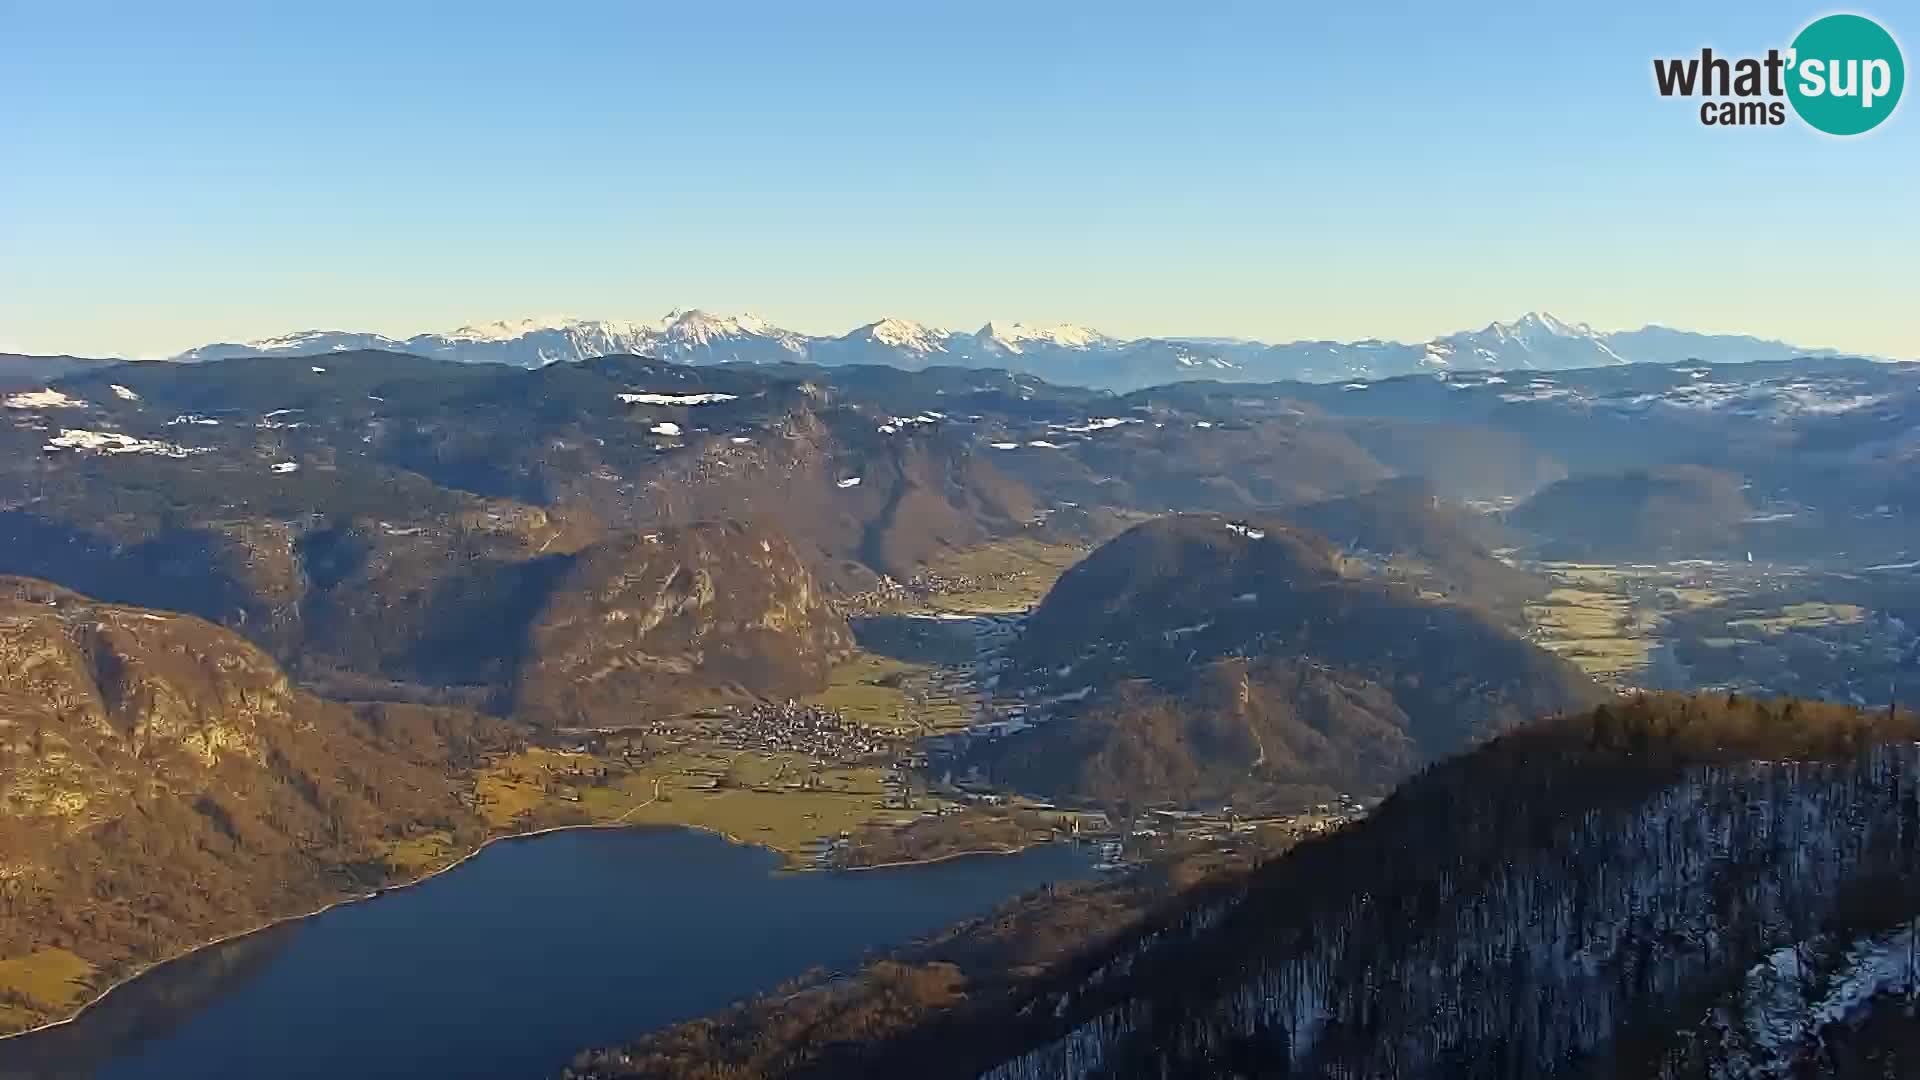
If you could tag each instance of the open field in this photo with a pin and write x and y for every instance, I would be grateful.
(519, 785)
(1008, 575)
(870, 689)
(1610, 620)
(423, 852)
(1765, 628)
(53, 979)
(949, 703)
(897, 696)
(787, 822)
(1591, 575)
(786, 802)
(1693, 598)
(1802, 616)
(1597, 629)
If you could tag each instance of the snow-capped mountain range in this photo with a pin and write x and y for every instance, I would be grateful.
(1064, 353)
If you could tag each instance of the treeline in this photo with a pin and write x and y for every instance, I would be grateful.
(982, 830)
(899, 1014)
(1543, 905)
(1517, 910)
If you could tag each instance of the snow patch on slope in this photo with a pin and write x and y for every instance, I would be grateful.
(42, 399)
(1789, 998)
(113, 442)
(1014, 337)
(676, 399)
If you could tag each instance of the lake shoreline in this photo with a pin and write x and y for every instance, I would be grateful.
(343, 901)
(355, 898)
(948, 857)
(477, 977)
(792, 863)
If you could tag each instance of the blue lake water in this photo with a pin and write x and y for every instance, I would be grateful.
(506, 966)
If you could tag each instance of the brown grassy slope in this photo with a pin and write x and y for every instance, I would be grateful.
(161, 782)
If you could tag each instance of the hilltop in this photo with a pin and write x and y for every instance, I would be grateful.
(666, 621)
(1420, 537)
(1215, 660)
(1672, 511)
(19, 371)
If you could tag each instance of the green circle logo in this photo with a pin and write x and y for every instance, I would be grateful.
(1845, 74)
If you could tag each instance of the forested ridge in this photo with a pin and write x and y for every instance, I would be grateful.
(1252, 663)
(1565, 900)
(1538, 907)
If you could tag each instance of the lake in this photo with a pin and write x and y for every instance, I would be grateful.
(508, 965)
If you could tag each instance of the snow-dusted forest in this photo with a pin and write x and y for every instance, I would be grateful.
(1557, 933)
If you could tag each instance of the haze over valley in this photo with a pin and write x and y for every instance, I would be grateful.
(1309, 542)
(860, 614)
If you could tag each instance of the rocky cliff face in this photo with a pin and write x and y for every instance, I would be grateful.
(161, 782)
(659, 622)
(433, 605)
(86, 689)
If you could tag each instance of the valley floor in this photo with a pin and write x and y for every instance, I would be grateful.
(1829, 633)
(793, 778)
(834, 780)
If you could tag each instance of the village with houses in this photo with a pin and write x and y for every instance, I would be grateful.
(882, 766)
(878, 769)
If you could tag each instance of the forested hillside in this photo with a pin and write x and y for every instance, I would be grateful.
(1205, 660)
(1568, 900)
(1543, 906)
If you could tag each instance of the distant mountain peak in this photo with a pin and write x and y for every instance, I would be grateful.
(906, 334)
(700, 327)
(1544, 320)
(1535, 340)
(1062, 352)
(1014, 337)
(511, 329)
(1539, 322)
(317, 340)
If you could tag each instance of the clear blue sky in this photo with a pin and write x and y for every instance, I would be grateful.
(176, 173)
